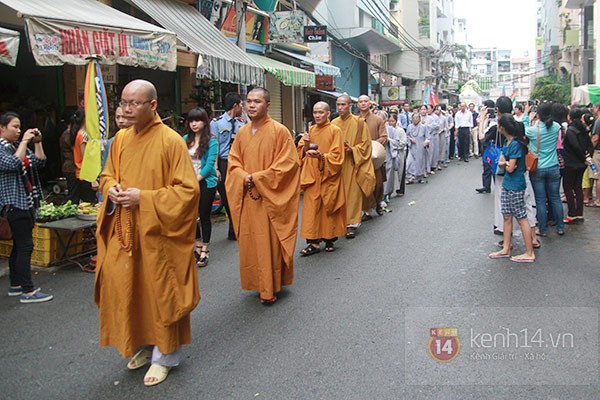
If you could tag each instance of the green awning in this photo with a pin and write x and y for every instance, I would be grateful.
(287, 74)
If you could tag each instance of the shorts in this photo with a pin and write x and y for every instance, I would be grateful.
(512, 203)
(586, 181)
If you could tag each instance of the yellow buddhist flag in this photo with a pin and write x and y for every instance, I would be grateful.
(96, 121)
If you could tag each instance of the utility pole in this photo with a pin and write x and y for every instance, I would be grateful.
(240, 27)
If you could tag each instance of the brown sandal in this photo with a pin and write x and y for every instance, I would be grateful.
(266, 302)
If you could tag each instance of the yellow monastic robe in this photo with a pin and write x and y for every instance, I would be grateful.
(378, 131)
(266, 229)
(358, 173)
(146, 298)
(324, 204)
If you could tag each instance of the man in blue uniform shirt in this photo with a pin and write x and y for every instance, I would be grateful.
(405, 116)
(224, 129)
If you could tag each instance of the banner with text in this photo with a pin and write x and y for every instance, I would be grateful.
(9, 47)
(63, 42)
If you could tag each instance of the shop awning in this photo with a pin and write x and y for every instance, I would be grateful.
(320, 68)
(9, 46)
(287, 74)
(69, 31)
(219, 59)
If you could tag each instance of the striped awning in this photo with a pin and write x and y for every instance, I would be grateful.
(219, 59)
(287, 74)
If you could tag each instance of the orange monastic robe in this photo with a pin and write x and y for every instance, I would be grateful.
(146, 298)
(358, 173)
(266, 229)
(324, 204)
(378, 130)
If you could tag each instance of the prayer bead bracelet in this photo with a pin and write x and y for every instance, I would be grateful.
(252, 194)
(321, 162)
(129, 232)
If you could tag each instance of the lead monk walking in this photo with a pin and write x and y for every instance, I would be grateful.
(263, 189)
(146, 280)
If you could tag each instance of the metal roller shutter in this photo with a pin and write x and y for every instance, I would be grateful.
(274, 87)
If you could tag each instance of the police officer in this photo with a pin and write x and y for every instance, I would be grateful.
(224, 129)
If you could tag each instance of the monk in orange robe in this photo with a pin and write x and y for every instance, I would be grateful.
(378, 131)
(321, 152)
(357, 171)
(263, 190)
(146, 280)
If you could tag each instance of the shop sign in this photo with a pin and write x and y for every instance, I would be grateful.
(286, 27)
(393, 95)
(109, 74)
(324, 82)
(9, 47)
(315, 33)
(61, 42)
(254, 26)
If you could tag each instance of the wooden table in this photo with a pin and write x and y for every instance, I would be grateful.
(72, 226)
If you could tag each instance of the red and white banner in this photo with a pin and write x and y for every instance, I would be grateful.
(62, 42)
(9, 46)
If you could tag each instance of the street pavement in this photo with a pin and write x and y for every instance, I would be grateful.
(341, 330)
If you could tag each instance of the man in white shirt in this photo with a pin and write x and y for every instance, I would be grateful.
(519, 112)
(463, 121)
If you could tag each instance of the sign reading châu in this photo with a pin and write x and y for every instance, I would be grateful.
(315, 33)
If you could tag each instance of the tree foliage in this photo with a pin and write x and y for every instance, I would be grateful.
(552, 88)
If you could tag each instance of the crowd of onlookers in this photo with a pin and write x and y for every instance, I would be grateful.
(564, 140)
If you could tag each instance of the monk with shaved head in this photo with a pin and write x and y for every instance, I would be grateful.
(357, 170)
(263, 186)
(146, 280)
(321, 152)
(378, 132)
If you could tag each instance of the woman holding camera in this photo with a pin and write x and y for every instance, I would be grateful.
(20, 193)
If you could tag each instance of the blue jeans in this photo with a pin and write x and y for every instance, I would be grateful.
(546, 186)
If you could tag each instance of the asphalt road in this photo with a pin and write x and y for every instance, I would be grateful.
(354, 325)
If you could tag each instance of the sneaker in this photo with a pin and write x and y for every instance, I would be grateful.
(15, 291)
(36, 297)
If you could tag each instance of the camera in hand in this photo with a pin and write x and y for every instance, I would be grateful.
(36, 133)
(313, 146)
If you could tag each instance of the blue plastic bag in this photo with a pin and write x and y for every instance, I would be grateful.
(491, 155)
